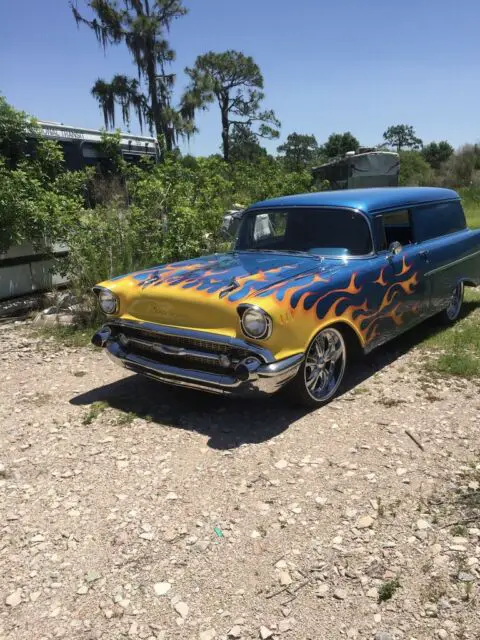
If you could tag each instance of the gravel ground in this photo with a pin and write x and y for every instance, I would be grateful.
(131, 510)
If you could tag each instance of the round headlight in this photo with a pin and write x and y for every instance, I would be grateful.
(256, 323)
(108, 301)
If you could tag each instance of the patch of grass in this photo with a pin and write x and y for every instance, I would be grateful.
(387, 589)
(459, 530)
(94, 411)
(70, 336)
(126, 418)
(471, 205)
(458, 346)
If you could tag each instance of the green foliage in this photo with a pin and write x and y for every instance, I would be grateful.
(387, 590)
(338, 144)
(112, 161)
(400, 136)
(299, 151)
(471, 204)
(414, 169)
(436, 153)
(244, 145)
(235, 81)
(15, 128)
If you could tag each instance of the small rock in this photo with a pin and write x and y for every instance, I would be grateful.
(235, 632)
(284, 625)
(14, 599)
(384, 635)
(285, 578)
(209, 634)
(171, 496)
(281, 464)
(372, 593)
(161, 588)
(92, 576)
(463, 576)
(182, 609)
(442, 634)
(265, 633)
(34, 596)
(3, 470)
(322, 590)
(400, 472)
(364, 522)
(423, 525)
(340, 594)
(82, 590)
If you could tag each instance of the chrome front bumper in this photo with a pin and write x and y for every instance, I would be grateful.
(256, 374)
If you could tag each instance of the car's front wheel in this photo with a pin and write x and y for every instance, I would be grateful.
(322, 371)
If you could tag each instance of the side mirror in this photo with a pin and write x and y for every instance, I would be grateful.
(395, 248)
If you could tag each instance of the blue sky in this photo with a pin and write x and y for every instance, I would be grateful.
(328, 66)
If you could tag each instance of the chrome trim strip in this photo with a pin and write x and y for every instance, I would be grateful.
(158, 330)
(451, 264)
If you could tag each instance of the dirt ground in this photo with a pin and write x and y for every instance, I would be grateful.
(133, 510)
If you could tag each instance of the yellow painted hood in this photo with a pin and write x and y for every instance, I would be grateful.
(204, 293)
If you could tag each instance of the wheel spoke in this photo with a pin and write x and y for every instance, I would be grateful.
(312, 382)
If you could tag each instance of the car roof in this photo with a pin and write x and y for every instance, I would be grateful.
(368, 201)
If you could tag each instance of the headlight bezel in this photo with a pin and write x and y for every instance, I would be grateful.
(102, 292)
(247, 310)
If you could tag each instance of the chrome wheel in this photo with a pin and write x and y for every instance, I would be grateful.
(325, 365)
(455, 304)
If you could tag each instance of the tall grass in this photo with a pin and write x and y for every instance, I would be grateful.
(471, 204)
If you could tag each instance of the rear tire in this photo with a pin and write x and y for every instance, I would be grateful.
(322, 370)
(450, 315)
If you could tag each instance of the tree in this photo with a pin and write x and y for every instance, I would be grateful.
(436, 153)
(414, 169)
(401, 136)
(339, 143)
(15, 129)
(244, 145)
(236, 82)
(141, 25)
(299, 151)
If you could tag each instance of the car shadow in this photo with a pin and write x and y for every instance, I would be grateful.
(230, 422)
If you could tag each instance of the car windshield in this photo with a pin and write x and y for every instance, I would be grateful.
(329, 232)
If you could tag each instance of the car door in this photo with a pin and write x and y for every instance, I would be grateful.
(403, 293)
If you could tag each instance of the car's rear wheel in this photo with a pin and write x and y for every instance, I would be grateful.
(452, 312)
(322, 371)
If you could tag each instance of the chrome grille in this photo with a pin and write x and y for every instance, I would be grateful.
(180, 350)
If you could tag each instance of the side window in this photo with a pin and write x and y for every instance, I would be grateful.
(435, 220)
(394, 227)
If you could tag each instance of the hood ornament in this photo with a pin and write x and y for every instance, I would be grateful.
(231, 286)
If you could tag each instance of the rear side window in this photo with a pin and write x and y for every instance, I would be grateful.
(394, 227)
(435, 220)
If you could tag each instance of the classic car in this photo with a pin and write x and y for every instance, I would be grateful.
(312, 280)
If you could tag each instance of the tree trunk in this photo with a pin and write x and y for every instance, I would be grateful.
(225, 128)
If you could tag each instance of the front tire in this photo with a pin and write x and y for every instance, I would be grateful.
(322, 371)
(452, 312)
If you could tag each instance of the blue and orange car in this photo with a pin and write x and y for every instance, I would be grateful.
(311, 280)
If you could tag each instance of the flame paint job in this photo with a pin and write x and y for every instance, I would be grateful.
(301, 293)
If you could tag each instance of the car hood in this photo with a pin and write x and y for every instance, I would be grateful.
(204, 293)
